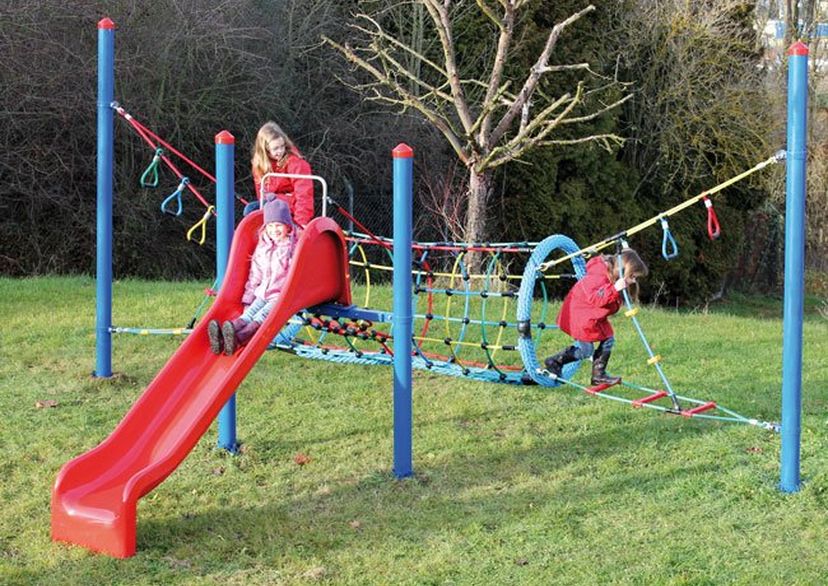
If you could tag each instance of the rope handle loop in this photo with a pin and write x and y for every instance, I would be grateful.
(149, 178)
(202, 223)
(177, 196)
(669, 248)
(714, 230)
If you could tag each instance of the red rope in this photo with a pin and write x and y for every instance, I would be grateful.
(713, 228)
(164, 158)
(146, 133)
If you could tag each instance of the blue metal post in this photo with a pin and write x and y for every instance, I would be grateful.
(225, 222)
(103, 272)
(403, 314)
(794, 265)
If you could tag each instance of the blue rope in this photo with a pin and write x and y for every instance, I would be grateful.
(667, 241)
(177, 196)
(524, 305)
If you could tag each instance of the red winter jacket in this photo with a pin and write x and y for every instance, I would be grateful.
(588, 304)
(297, 193)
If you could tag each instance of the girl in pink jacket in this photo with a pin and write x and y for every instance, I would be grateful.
(586, 308)
(268, 272)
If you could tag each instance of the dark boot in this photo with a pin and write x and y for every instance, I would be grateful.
(214, 333)
(228, 335)
(243, 335)
(554, 364)
(599, 368)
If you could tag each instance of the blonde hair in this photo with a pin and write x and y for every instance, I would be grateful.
(260, 160)
(633, 267)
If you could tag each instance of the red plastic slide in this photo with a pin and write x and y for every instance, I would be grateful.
(95, 496)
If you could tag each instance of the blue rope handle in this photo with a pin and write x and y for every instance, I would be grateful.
(177, 195)
(668, 240)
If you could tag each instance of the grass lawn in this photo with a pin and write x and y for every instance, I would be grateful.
(513, 485)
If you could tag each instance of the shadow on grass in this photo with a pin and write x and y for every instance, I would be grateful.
(488, 493)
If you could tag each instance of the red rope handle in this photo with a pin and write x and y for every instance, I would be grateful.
(714, 230)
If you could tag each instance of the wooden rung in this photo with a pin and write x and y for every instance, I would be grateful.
(602, 387)
(649, 399)
(699, 409)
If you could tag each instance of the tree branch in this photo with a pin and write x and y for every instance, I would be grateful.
(439, 14)
(534, 77)
(407, 98)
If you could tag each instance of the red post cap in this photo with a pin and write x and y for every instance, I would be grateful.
(106, 23)
(225, 137)
(402, 151)
(798, 48)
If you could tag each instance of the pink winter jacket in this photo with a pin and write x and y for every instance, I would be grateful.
(268, 268)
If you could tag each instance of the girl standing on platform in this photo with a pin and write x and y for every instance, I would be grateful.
(274, 152)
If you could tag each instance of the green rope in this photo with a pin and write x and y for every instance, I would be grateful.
(149, 178)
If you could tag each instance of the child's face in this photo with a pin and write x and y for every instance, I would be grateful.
(277, 230)
(276, 149)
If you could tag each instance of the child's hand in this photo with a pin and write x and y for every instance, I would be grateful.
(620, 284)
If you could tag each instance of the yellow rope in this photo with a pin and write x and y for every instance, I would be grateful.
(674, 210)
(202, 223)
(365, 264)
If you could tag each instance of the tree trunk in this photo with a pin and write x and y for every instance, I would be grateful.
(480, 188)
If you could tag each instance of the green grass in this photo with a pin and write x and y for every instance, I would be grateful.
(512, 486)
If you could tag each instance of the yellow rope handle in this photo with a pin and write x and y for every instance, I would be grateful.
(202, 223)
(674, 210)
(654, 359)
(631, 312)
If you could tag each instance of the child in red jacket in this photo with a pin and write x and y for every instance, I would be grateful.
(274, 152)
(586, 308)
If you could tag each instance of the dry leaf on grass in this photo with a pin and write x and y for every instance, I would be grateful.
(47, 404)
(301, 459)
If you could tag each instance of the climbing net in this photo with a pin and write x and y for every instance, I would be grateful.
(463, 320)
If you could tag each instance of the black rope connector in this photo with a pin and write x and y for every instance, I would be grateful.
(466, 371)
(484, 345)
(524, 328)
(447, 341)
(466, 277)
(503, 277)
(429, 316)
(502, 376)
(508, 347)
(484, 294)
(541, 326)
(466, 320)
(502, 323)
(449, 292)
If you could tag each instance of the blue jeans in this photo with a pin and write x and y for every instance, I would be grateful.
(257, 311)
(585, 349)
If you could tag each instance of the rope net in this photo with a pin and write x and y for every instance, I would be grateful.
(464, 321)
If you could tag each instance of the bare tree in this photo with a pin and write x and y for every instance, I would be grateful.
(488, 117)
